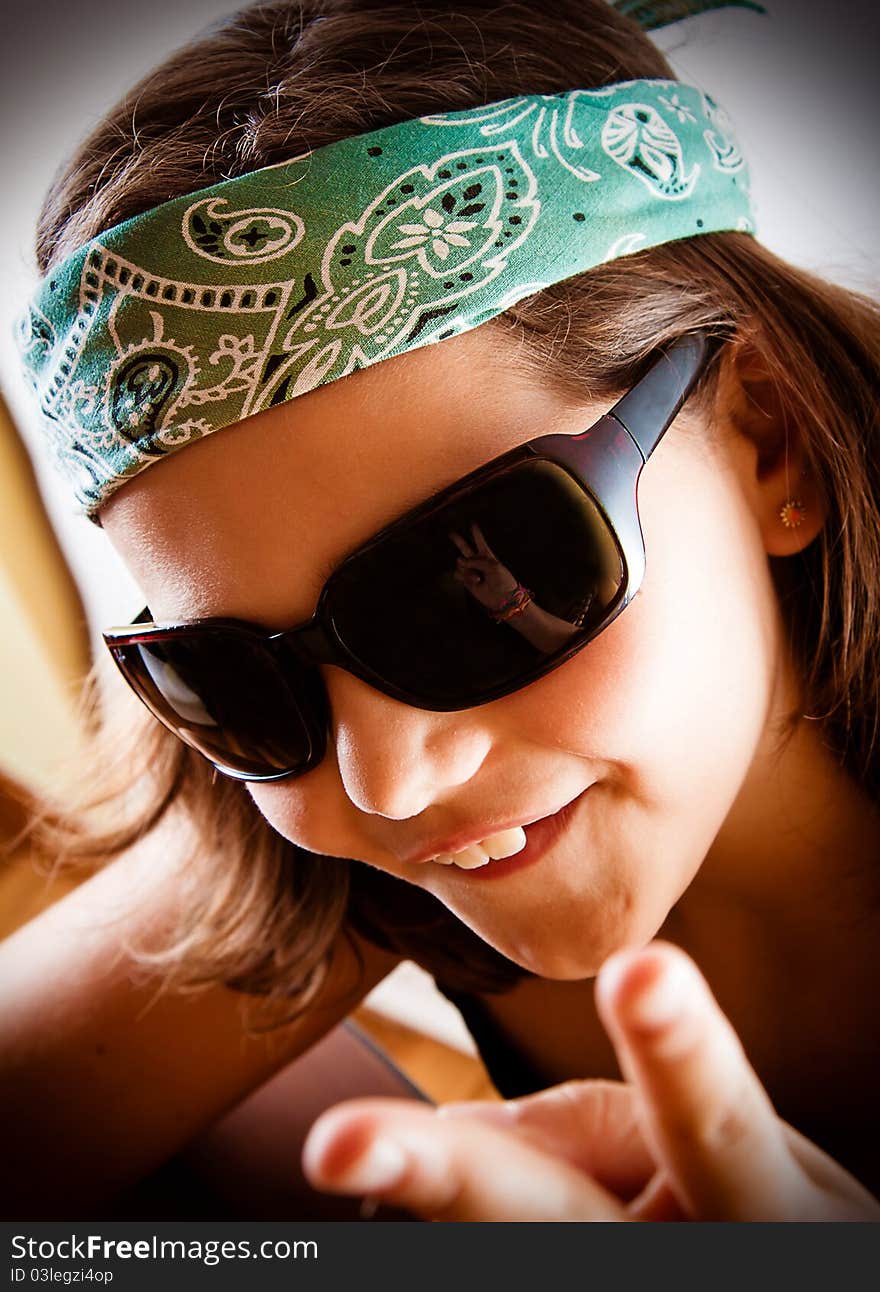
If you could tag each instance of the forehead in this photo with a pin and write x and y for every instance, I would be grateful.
(244, 522)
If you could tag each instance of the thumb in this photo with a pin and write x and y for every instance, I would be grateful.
(592, 1124)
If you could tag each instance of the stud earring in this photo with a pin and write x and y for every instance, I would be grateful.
(792, 513)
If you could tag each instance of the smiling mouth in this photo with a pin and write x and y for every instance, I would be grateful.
(531, 843)
(494, 847)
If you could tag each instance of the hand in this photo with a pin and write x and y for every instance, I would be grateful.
(478, 568)
(692, 1135)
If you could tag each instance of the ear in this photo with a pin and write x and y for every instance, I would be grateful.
(768, 447)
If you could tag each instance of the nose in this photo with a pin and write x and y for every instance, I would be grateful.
(396, 760)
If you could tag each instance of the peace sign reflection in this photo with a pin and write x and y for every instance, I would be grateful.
(495, 587)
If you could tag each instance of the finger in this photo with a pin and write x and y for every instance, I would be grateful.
(707, 1116)
(594, 1125)
(830, 1178)
(461, 543)
(480, 542)
(656, 1202)
(445, 1168)
(472, 562)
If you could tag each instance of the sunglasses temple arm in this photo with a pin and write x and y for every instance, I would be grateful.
(145, 617)
(649, 408)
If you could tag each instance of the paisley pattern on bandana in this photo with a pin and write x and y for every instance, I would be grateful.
(726, 154)
(546, 122)
(257, 290)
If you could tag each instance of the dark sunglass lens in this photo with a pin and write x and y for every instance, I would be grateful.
(411, 611)
(225, 693)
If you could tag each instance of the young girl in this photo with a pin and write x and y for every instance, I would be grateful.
(530, 727)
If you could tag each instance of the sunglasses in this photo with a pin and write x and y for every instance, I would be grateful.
(475, 593)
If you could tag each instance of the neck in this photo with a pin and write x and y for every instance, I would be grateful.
(801, 843)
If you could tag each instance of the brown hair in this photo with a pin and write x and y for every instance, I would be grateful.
(277, 79)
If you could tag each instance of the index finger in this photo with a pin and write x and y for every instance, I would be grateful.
(481, 546)
(708, 1118)
(461, 543)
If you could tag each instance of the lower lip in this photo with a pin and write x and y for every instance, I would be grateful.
(540, 836)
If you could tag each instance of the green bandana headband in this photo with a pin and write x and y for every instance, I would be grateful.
(227, 301)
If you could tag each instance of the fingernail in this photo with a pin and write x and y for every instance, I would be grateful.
(662, 999)
(380, 1167)
(329, 1164)
(646, 989)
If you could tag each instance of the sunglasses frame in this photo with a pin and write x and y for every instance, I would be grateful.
(606, 460)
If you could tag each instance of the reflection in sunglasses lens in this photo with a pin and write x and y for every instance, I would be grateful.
(420, 609)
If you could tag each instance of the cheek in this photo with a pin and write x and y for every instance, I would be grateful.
(315, 813)
(672, 699)
(707, 642)
(308, 812)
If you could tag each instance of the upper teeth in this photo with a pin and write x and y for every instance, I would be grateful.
(503, 844)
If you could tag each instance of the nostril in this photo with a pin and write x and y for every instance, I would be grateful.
(396, 760)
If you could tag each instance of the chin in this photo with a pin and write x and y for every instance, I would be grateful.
(580, 952)
(562, 966)
(579, 947)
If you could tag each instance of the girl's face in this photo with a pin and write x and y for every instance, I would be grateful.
(659, 719)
